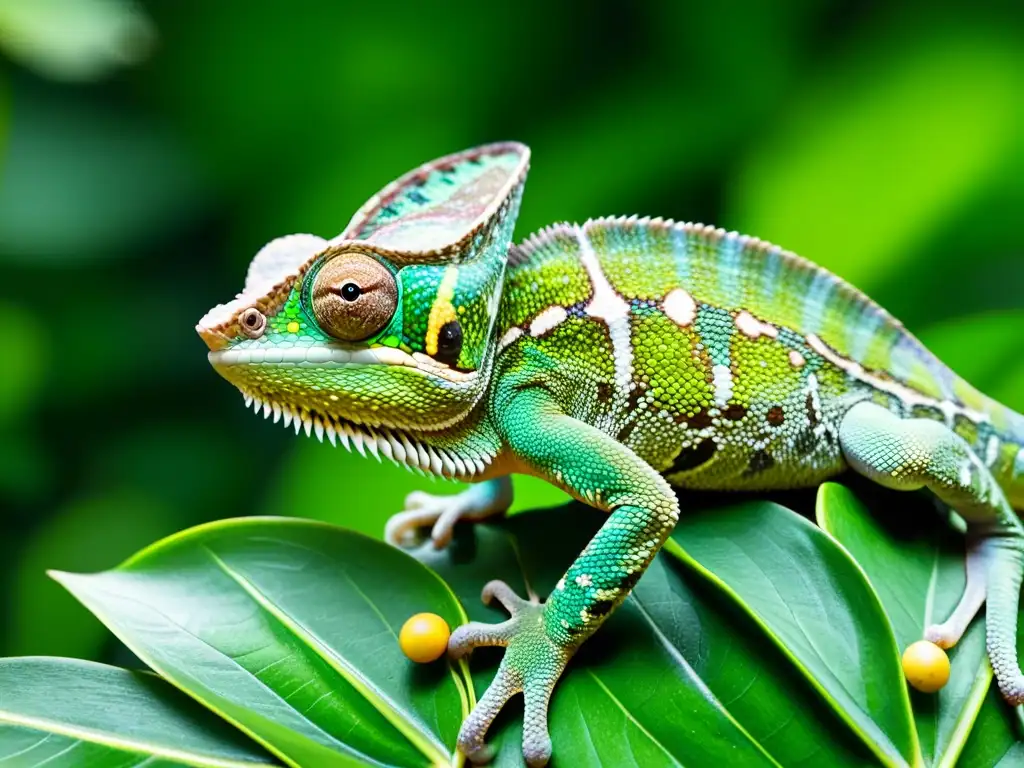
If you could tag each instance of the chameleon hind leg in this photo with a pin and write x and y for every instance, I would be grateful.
(541, 638)
(908, 454)
(441, 513)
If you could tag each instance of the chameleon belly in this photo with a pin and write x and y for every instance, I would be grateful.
(681, 342)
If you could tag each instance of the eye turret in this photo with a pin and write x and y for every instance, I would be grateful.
(354, 296)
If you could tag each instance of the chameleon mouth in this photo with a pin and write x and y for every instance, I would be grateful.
(398, 446)
(327, 356)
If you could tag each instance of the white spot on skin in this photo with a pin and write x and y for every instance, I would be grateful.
(909, 397)
(547, 320)
(510, 337)
(680, 308)
(584, 580)
(796, 359)
(605, 304)
(965, 475)
(752, 327)
(722, 377)
(991, 451)
(560, 585)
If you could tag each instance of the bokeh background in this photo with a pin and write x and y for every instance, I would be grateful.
(149, 149)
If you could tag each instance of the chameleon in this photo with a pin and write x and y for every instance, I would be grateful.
(624, 360)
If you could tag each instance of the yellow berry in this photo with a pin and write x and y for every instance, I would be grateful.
(926, 666)
(424, 637)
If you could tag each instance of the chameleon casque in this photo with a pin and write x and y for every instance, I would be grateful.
(617, 359)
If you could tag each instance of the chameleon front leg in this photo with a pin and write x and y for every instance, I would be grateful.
(441, 513)
(541, 638)
(908, 454)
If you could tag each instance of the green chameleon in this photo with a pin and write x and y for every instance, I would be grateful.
(616, 359)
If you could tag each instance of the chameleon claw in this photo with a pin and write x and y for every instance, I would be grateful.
(505, 595)
(476, 634)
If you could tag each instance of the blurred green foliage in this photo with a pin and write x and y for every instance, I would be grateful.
(150, 148)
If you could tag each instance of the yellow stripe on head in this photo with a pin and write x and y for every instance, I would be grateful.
(442, 310)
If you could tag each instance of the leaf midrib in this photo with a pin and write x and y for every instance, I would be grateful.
(400, 719)
(92, 736)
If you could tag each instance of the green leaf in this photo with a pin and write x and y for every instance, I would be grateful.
(288, 629)
(676, 676)
(815, 603)
(65, 712)
(882, 147)
(922, 590)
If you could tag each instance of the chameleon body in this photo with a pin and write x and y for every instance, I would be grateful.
(618, 359)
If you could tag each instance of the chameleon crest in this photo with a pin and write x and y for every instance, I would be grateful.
(386, 331)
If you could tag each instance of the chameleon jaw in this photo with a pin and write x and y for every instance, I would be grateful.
(329, 356)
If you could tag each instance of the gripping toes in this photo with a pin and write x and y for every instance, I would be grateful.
(532, 665)
(441, 513)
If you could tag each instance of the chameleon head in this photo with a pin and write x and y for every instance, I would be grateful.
(387, 329)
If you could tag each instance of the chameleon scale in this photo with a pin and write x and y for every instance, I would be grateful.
(622, 359)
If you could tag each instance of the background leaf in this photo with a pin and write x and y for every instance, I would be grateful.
(64, 712)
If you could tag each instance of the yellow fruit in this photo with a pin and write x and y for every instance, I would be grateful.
(424, 637)
(926, 666)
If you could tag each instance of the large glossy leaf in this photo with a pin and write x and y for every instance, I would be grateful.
(915, 560)
(288, 629)
(815, 603)
(63, 713)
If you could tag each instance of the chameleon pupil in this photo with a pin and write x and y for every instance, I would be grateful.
(350, 292)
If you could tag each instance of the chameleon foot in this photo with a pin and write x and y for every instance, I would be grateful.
(532, 665)
(476, 503)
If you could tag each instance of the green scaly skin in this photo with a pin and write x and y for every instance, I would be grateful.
(617, 359)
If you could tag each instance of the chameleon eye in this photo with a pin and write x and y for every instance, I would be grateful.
(252, 322)
(354, 296)
(449, 343)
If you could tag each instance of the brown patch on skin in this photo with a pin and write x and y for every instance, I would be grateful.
(759, 462)
(734, 412)
(700, 420)
(693, 456)
(604, 392)
(634, 397)
(812, 414)
(626, 431)
(776, 416)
